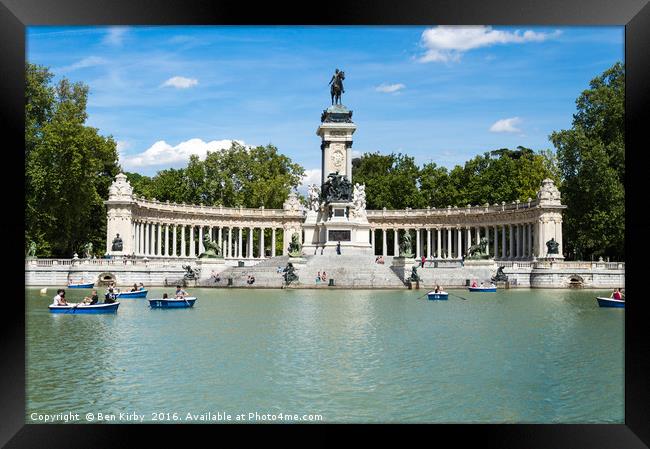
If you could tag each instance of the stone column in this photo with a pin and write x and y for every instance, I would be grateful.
(477, 231)
(530, 240)
(512, 242)
(496, 243)
(220, 238)
(439, 243)
(384, 247)
(428, 253)
(229, 248)
(503, 242)
(192, 242)
(396, 242)
(159, 240)
(174, 236)
(272, 242)
(487, 236)
(240, 242)
(417, 243)
(262, 253)
(459, 245)
(517, 242)
(146, 239)
(201, 250)
(468, 241)
(250, 243)
(449, 245)
(372, 240)
(166, 240)
(183, 245)
(524, 240)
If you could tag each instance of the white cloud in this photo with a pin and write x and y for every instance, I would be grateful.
(90, 61)
(115, 35)
(162, 153)
(180, 82)
(390, 88)
(121, 146)
(311, 176)
(447, 43)
(506, 125)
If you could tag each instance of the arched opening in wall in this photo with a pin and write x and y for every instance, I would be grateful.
(106, 278)
(576, 281)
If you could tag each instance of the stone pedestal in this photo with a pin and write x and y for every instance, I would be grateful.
(402, 266)
(208, 265)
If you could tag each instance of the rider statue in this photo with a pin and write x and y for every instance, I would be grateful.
(337, 86)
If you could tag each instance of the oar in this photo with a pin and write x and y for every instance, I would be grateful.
(423, 295)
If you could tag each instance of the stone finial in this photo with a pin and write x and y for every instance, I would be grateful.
(548, 194)
(120, 189)
(292, 204)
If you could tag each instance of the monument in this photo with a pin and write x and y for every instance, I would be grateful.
(337, 210)
(211, 260)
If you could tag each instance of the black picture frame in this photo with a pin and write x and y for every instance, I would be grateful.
(15, 15)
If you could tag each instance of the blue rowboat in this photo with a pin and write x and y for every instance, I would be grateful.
(610, 302)
(79, 308)
(438, 296)
(172, 303)
(129, 295)
(483, 289)
(86, 285)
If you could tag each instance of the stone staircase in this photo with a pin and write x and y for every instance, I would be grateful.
(354, 271)
(265, 273)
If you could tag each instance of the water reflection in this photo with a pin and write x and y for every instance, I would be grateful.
(360, 356)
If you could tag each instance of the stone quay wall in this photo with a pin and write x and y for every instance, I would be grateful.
(347, 272)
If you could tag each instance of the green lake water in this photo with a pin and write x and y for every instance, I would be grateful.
(515, 356)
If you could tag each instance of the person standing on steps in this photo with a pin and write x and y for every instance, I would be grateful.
(338, 248)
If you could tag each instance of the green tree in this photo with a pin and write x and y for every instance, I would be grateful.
(69, 167)
(237, 176)
(591, 158)
(391, 180)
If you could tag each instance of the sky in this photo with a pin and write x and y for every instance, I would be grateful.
(441, 94)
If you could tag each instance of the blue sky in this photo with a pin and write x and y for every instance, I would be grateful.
(441, 94)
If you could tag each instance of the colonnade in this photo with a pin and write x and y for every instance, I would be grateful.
(505, 241)
(157, 239)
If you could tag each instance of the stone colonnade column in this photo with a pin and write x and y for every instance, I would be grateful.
(273, 242)
(396, 242)
(384, 249)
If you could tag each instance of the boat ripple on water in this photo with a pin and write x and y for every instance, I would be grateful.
(83, 308)
(172, 303)
(610, 302)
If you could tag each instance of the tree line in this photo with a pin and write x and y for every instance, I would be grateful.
(69, 167)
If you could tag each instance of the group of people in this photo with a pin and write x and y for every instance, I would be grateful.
(321, 277)
(482, 285)
(438, 289)
(250, 280)
(379, 260)
(179, 294)
(59, 299)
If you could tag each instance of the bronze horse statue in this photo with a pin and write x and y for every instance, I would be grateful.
(337, 86)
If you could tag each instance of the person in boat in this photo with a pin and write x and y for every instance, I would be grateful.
(135, 288)
(180, 293)
(141, 288)
(440, 289)
(482, 285)
(492, 285)
(92, 299)
(165, 296)
(109, 298)
(59, 299)
(474, 284)
(617, 294)
(437, 289)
